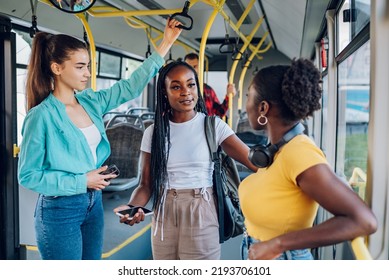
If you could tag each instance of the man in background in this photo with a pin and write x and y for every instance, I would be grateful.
(212, 104)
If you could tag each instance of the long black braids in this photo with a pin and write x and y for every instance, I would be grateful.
(160, 144)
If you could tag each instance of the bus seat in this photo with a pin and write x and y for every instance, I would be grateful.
(148, 122)
(137, 110)
(124, 118)
(125, 139)
(109, 115)
(147, 116)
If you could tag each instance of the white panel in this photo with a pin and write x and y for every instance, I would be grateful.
(286, 20)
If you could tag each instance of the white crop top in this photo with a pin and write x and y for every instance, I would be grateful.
(93, 137)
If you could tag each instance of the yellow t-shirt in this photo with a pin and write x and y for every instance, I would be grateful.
(271, 201)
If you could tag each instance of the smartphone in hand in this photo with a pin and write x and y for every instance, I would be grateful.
(132, 211)
(112, 169)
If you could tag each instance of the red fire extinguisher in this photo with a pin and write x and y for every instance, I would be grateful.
(324, 46)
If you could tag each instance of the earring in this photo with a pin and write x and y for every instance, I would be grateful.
(259, 120)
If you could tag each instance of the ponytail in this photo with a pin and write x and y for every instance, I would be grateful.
(47, 49)
(39, 77)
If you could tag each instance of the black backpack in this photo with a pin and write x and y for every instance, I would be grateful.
(225, 183)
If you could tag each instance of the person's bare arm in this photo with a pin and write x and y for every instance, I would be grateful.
(141, 195)
(170, 35)
(235, 148)
(352, 217)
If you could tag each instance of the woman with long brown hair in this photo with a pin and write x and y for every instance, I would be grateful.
(65, 144)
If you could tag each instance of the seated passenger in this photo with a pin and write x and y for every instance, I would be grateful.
(280, 201)
(65, 143)
(177, 170)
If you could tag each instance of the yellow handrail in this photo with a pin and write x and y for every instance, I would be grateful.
(203, 43)
(360, 249)
(129, 16)
(234, 65)
(130, 20)
(357, 185)
(92, 50)
(244, 70)
(357, 182)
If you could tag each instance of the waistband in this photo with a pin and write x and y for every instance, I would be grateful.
(197, 192)
(204, 193)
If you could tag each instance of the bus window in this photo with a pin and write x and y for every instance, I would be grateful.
(353, 116)
(23, 50)
(354, 15)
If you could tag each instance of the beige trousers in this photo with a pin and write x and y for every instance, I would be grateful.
(188, 225)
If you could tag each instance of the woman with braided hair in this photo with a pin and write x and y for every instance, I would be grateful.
(177, 169)
(296, 178)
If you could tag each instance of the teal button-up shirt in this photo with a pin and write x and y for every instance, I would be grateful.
(55, 156)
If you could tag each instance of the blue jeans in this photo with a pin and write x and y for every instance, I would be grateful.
(301, 254)
(70, 227)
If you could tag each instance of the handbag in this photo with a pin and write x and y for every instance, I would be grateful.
(225, 183)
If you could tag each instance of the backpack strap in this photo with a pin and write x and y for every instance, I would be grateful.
(209, 126)
(210, 134)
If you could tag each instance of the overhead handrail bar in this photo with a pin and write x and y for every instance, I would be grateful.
(235, 27)
(132, 23)
(117, 13)
(97, 12)
(245, 13)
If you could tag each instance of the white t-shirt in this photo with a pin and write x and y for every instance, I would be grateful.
(189, 165)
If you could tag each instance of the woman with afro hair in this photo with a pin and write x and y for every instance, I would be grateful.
(294, 177)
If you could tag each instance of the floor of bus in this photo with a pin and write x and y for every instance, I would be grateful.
(122, 242)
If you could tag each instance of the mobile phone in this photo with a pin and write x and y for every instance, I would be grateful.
(132, 211)
(112, 169)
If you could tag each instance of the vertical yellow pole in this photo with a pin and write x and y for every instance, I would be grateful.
(360, 249)
(246, 66)
(235, 64)
(203, 44)
(92, 45)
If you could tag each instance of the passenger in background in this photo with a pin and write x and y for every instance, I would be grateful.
(177, 170)
(299, 179)
(77, 5)
(212, 104)
(65, 144)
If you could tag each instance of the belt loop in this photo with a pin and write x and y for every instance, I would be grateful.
(196, 193)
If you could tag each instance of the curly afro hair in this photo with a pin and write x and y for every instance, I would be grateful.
(295, 89)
